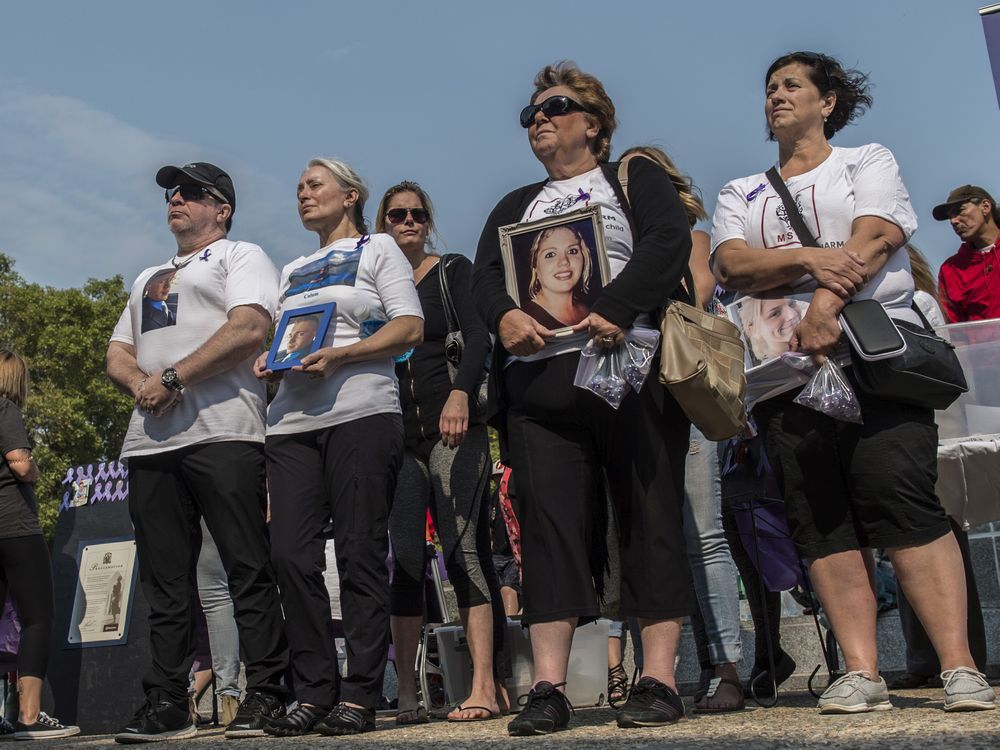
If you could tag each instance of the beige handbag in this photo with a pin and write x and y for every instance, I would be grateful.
(701, 362)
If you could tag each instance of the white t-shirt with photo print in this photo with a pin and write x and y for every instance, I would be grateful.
(364, 277)
(850, 183)
(204, 287)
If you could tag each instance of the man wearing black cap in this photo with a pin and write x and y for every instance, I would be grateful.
(969, 281)
(195, 450)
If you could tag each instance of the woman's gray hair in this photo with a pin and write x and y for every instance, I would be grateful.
(348, 179)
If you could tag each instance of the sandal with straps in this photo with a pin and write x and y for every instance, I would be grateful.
(617, 685)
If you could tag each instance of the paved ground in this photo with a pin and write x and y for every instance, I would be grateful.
(917, 722)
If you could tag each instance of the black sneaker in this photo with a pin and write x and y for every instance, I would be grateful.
(650, 704)
(344, 719)
(546, 710)
(44, 728)
(160, 721)
(299, 721)
(256, 711)
(6, 729)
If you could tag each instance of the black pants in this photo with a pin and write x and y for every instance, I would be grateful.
(920, 655)
(346, 473)
(168, 495)
(26, 572)
(561, 438)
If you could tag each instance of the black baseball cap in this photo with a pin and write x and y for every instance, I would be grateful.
(199, 173)
(961, 195)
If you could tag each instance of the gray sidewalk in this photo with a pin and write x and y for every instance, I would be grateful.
(916, 722)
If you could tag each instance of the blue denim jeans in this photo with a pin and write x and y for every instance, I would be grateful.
(709, 558)
(217, 604)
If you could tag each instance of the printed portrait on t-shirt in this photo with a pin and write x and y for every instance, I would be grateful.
(159, 303)
(336, 267)
(555, 268)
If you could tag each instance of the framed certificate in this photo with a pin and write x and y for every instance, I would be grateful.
(102, 606)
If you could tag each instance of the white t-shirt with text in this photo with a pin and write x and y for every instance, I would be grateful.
(172, 311)
(362, 276)
(850, 183)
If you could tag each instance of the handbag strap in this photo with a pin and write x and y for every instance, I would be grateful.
(450, 315)
(791, 208)
(688, 281)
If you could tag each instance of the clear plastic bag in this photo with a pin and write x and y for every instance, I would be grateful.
(600, 372)
(828, 392)
(637, 354)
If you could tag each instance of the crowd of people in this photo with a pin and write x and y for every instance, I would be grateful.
(354, 430)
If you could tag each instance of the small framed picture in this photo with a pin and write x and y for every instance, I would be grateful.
(300, 332)
(767, 321)
(556, 267)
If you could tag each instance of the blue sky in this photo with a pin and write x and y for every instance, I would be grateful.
(95, 96)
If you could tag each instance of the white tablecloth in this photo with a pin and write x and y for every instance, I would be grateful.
(969, 479)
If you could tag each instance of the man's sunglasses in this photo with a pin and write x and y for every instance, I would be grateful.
(398, 215)
(554, 105)
(193, 193)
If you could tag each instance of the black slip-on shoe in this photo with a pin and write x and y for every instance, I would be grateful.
(297, 722)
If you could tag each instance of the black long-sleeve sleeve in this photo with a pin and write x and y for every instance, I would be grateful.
(474, 333)
(661, 248)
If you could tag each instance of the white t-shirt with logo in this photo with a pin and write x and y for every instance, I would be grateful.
(172, 311)
(850, 183)
(362, 277)
(563, 196)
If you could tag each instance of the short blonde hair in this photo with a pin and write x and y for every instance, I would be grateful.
(344, 174)
(13, 378)
(589, 92)
(690, 195)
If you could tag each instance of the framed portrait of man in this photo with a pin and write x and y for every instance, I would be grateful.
(555, 268)
(300, 332)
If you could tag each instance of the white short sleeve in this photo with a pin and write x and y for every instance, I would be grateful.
(251, 278)
(729, 221)
(393, 277)
(123, 328)
(879, 189)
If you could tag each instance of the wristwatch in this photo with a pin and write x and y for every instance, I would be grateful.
(171, 380)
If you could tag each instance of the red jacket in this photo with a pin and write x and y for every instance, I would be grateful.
(969, 284)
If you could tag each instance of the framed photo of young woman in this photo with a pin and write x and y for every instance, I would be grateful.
(300, 332)
(556, 267)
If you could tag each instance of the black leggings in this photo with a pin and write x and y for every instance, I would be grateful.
(26, 572)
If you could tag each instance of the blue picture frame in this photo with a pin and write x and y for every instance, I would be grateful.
(279, 358)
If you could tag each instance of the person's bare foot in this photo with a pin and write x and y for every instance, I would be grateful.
(479, 706)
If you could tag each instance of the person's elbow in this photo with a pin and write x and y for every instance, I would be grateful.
(722, 269)
(251, 323)
(412, 330)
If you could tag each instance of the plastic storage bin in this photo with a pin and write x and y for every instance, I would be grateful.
(586, 680)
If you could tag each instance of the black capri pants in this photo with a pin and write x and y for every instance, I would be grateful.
(26, 573)
(849, 486)
(561, 437)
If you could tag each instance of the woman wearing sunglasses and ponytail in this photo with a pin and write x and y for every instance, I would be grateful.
(563, 441)
(445, 462)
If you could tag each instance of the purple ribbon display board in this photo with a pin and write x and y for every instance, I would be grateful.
(106, 482)
(991, 27)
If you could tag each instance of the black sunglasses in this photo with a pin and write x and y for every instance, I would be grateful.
(398, 215)
(193, 193)
(554, 105)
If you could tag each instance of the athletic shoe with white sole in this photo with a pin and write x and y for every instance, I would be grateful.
(44, 728)
(966, 689)
(158, 722)
(855, 693)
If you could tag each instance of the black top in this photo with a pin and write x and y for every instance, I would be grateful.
(424, 384)
(18, 512)
(661, 249)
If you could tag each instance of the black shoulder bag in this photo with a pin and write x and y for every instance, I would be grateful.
(927, 374)
(454, 343)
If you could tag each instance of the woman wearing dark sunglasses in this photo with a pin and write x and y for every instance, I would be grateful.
(445, 465)
(563, 441)
(847, 487)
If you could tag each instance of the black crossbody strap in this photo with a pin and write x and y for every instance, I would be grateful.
(450, 315)
(794, 216)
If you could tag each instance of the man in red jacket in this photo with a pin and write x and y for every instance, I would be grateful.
(969, 281)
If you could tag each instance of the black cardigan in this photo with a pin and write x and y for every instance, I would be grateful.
(661, 249)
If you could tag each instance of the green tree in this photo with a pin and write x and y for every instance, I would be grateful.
(74, 414)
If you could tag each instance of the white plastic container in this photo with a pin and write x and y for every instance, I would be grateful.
(586, 680)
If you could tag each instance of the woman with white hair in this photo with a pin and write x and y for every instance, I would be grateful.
(334, 446)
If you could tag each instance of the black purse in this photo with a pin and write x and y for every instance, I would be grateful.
(927, 374)
(454, 343)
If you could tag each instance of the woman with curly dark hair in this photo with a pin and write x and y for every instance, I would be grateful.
(847, 487)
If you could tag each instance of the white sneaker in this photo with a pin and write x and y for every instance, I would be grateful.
(855, 693)
(965, 689)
